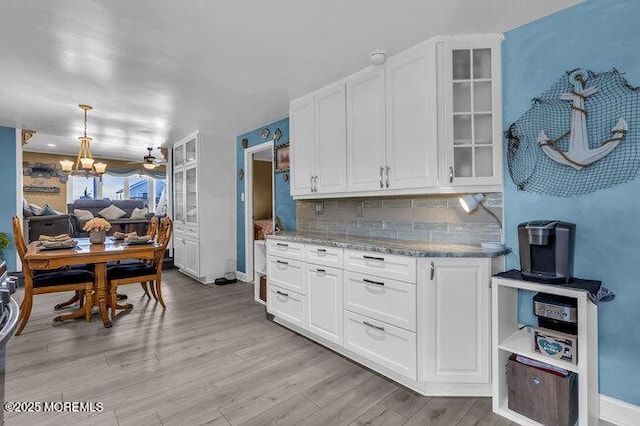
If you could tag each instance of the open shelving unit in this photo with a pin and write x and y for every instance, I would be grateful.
(508, 337)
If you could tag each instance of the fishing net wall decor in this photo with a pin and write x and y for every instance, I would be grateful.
(581, 135)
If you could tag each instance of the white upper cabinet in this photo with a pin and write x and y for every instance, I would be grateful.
(366, 151)
(318, 142)
(302, 128)
(411, 111)
(427, 121)
(472, 111)
(331, 140)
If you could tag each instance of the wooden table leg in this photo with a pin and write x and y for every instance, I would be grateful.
(74, 299)
(100, 273)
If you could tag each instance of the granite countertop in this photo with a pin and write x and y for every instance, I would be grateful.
(403, 248)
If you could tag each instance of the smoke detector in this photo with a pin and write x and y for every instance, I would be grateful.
(378, 57)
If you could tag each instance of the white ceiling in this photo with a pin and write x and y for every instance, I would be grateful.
(155, 70)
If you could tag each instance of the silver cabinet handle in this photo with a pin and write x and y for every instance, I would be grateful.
(321, 250)
(282, 294)
(282, 244)
(387, 183)
(450, 174)
(321, 271)
(377, 327)
(315, 184)
(368, 281)
(282, 262)
(381, 180)
(311, 184)
(433, 271)
(381, 259)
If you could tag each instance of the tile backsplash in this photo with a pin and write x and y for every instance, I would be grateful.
(432, 218)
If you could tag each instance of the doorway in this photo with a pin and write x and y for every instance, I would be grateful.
(259, 209)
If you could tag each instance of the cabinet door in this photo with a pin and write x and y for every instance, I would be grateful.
(178, 155)
(458, 321)
(366, 130)
(190, 150)
(179, 251)
(192, 257)
(324, 302)
(472, 101)
(331, 128)
(412, 133)
(178, 196)
(191, 195)
(302, 127)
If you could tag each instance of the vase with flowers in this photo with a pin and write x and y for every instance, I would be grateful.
(97, 229)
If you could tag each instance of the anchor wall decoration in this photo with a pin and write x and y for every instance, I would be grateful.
(579, 155)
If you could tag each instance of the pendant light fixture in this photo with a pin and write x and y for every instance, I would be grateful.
(85, 164)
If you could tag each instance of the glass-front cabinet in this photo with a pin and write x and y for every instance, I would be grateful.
(191, 189)
(185, 181)
(178, 195)
(472, 113)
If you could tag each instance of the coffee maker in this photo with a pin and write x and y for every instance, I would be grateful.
(546, 250)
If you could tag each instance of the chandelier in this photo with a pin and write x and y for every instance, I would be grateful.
(85, 164)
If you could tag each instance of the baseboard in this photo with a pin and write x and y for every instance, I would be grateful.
(242, 276)
(619, 412)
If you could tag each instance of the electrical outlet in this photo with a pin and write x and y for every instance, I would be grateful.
(319, 207)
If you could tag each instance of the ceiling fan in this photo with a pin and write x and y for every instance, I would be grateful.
(150, 161)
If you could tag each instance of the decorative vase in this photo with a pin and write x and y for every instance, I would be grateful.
(97, 237)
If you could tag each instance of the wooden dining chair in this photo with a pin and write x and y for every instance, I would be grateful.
(152, 230)
(50, 282)
(150, 273)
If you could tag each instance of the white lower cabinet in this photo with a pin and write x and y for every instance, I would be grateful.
(286, 304)
(186, 254)
(389, 346)
(285, 273)
(458, 314)
(424, 322)
(324, 302)
(391, 301)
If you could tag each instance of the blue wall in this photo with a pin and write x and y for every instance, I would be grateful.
(285, 205)
(597, 35)
(8, 188)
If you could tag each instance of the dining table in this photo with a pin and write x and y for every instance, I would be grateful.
(98, 255)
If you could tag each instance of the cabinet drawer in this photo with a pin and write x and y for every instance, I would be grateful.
(285, 273)
(389, 346)
(391, 301)
(322, 255)
(285, 249)
(392, 266)
(286, 304)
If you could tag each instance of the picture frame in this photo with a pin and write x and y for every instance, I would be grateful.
(282, 160)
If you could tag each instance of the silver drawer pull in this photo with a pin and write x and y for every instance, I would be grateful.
(321, 250)
(321, 271)
(368, 281)
(282, 262)
(282, 244)
(381, 259)
(377, 327)
(282, 294)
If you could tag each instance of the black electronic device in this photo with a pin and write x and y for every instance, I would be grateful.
(546, 250)
(558, 313)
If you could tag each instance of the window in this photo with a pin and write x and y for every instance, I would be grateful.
(113, 187)
(83, 187)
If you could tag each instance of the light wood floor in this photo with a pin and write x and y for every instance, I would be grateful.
(210, 358)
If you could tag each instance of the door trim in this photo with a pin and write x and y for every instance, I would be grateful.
(248, 203)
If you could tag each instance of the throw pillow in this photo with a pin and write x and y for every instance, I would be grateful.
(35, 209)
(112, 212)
(47, 211)
(139, 214)
(26, 209)
(82, 215)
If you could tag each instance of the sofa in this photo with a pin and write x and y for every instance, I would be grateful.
(124, 224)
